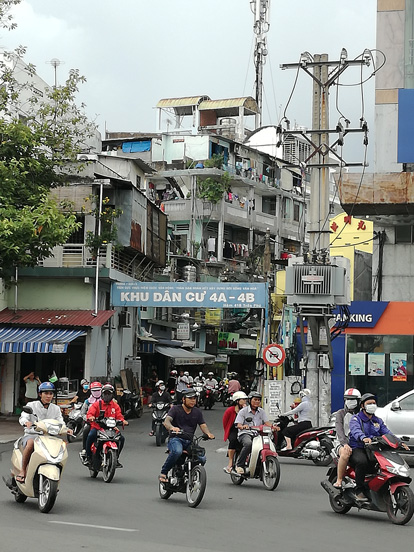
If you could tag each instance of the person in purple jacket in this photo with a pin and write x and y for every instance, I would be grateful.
(362, 428)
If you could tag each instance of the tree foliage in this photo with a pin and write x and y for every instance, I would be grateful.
(212, 188)
(39, 137)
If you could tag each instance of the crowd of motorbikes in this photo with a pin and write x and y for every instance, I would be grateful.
(388, 486)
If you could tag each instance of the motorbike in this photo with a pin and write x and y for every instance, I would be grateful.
(76, 422)
(188, 475)
(131, 404)
(105, 451)
(45, 467)
(315, 443)
(159, 413)
(209, 398)
(221, 392)
(262, 463)
(387, 488)
(227, 398)
(198, 388)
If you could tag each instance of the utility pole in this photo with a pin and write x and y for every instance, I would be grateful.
(261, 11)
(311, 288)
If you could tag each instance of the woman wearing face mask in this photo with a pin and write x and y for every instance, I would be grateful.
(362, 427)
(343, 417)
(160, 396)
(83, 393)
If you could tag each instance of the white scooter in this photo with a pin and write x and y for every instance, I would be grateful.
(45, 466)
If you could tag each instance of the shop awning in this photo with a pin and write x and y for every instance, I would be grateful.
(36, 340)
(35, 317)
(181, 357)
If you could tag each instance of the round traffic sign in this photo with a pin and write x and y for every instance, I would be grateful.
(274, 354)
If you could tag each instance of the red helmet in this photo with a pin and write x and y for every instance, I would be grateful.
(95, 385)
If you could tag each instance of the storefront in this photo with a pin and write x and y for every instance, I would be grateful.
(375, 352)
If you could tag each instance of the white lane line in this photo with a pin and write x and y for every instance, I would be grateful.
(94, 526)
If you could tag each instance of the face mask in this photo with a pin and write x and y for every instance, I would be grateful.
(351, 403)
(371, 408)
(86, 387)
(162, 387)
(96, 393)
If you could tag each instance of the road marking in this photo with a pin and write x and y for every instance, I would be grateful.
(94, 526)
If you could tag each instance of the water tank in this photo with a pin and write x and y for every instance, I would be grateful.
(189, 273)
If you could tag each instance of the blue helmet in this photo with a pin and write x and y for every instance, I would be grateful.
(46, 386)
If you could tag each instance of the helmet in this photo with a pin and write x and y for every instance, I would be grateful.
(173, 373)
(254, 395)
(210, 374)
(83, 381)
(352, 393)
(159, 382)
(96, 389)
(304, 393)
(188, 393)
(107, 392)
(46, 386)
(365, 397)
(186, 373)
(239, 395)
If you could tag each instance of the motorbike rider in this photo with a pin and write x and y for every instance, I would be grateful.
(190, 379)
(343, 417)
(172, 381)
(362, 427)
(210, 382)
(230, 431)
(105, 407)
(182, 384)
(245, 434)
(43, 409)
(185, 417)
(82, 394)
(200, 378)
(233, 385)
(303, 410)
(160, 396)
(96, 392)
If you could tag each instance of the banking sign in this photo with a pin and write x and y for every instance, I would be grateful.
(362, 314)
(190, 294)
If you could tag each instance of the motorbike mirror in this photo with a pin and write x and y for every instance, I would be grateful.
(395, 405)
(249, 419)
(27, 409)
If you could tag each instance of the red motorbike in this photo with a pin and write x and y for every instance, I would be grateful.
(387, 488)
(315, 443)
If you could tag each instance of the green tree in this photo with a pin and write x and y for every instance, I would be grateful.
(36, 155)
(212, 188)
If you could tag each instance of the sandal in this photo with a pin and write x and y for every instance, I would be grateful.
(20, 478)
(227, 470)
(163, 478)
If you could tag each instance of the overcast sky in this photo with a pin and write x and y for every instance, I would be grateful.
(135, 52)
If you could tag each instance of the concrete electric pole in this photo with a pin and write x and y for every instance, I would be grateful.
(311, 283)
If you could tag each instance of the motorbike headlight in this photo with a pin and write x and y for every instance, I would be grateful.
(397, 469)
(160, 406)
(49, 457)
(53, 429)
(267, 429)
(110, 422)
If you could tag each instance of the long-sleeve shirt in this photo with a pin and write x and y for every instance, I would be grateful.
(229, 417)
(303, 410)
(51, 412)
(362, 426)
(109, 410)
(342, 420)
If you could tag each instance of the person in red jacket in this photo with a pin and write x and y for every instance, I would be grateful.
(230, 431)
(105, 407)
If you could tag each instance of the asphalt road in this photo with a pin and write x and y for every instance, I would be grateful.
(128, 514)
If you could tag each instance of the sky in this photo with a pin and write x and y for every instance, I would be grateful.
(135, 52)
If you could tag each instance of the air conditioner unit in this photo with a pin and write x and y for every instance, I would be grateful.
(124, 319)
(87, 157)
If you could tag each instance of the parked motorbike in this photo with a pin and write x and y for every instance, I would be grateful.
(159, 413)
(188, 475)
(131, 404)
(105, 450)
(387, 488)
(76, 422)
(45, 467)
(262, 463)
(209, 398)
(315, 443)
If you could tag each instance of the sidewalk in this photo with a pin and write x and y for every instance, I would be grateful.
(10, 429)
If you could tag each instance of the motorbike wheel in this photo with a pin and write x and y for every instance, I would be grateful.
(326, 457)
(20, 497)
(400, 505)
(138, 409)
(47, 494)
(71, 438)
(272, 476)
(196, 486)
(164, 493)
(336, 503)
(109, 467)
(235, 478)
(158, 436)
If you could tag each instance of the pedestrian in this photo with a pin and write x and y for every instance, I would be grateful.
(31, 381)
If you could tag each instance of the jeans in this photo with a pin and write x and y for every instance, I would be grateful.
(176, 445)
(92, 438)
(359, 461)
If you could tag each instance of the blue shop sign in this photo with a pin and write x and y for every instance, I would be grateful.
(362, 314)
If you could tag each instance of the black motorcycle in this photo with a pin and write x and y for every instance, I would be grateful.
(76, 422)
(188, 475)
(131, 404)
(159, 413)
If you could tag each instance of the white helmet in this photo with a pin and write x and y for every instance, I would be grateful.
(159, 382)
(352, 393)
(239, 395)
(304, 393)
(186, 373)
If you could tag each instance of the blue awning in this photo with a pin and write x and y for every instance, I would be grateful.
(36, 340)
